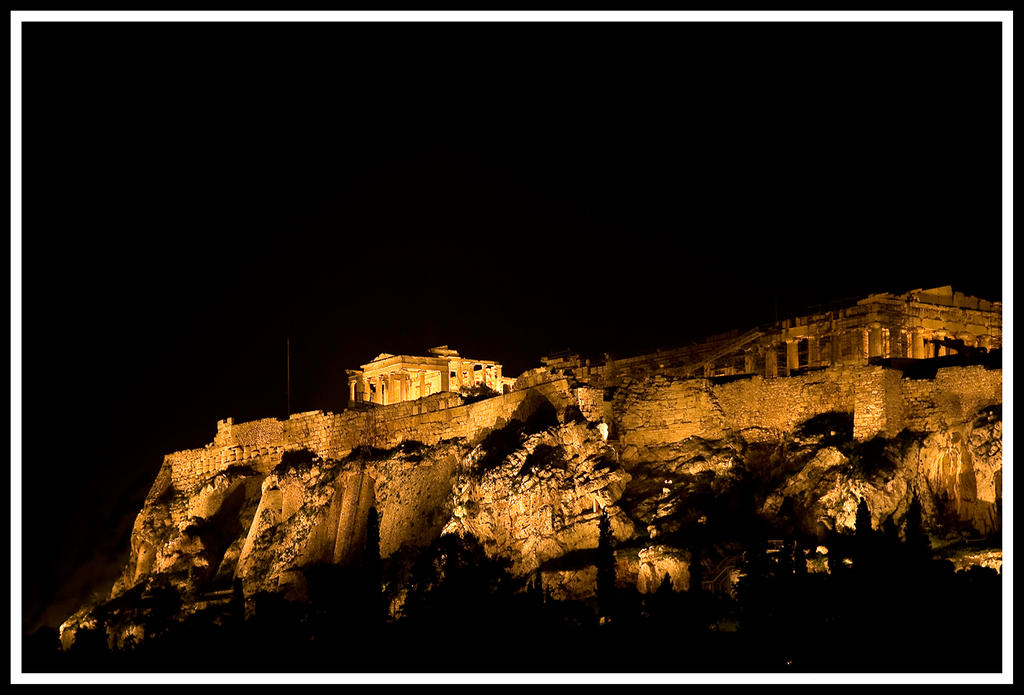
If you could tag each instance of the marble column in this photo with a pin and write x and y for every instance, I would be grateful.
(792, 355)
(813, 352)
(875, 340)
(918, 346)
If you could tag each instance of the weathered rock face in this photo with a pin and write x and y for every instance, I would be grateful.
(544, 498)
(529, 476)
(956, 475)
(658, 562)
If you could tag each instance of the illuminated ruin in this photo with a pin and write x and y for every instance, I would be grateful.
(390, 379)
(609, 436)
(915, 325)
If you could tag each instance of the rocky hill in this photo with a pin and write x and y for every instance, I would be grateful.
(668, 458)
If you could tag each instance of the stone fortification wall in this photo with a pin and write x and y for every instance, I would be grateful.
(261, 443)
(953, 396)
(667, 408)
(886, 404)
(645, 410)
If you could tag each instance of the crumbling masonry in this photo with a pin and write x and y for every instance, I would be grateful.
(921, 362)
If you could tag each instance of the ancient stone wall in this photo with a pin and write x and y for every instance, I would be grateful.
(592, 404)
(762, 409)
(646, 410)
(261, 443)
(877, 403)
(666, 408)
(956, 393)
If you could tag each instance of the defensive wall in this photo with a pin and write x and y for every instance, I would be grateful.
(647, 410)
(663, 408)
(260, 444)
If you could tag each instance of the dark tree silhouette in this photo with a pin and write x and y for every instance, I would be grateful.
(864, 546)
(785, 565)
(862, 527)
(914, 535)
(377, 607)
(605, 567)
(237, 601)
(453, 582)
(696, 571)
(800, 559)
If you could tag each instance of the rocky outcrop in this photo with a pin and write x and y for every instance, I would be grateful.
(666, 458)
(955, 474)
(544, 498)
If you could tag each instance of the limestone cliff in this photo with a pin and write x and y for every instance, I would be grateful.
(529, 473)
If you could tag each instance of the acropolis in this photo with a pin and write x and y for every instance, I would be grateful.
(445, 444)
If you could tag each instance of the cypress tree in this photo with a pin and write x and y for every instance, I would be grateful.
(605, 567)
(371, 565)
(863, 534)
(863, 521)
(918, 545)
(237, 602)
(696, 571)
(371, 548)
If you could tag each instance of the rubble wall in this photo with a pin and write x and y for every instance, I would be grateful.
(665, 408)
(261, 443)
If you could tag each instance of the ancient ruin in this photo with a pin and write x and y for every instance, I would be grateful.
(910, 382)
(390, 379)
(919, 324)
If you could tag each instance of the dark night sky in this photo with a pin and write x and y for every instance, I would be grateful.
(194, 193)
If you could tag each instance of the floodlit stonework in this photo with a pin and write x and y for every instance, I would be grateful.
(530, 470)
(919, 324)
(390, 379)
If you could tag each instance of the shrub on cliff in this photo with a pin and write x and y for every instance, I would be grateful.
(476, 392)
(829, 429)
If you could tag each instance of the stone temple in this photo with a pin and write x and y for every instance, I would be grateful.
(894, 328)
(392, 379)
